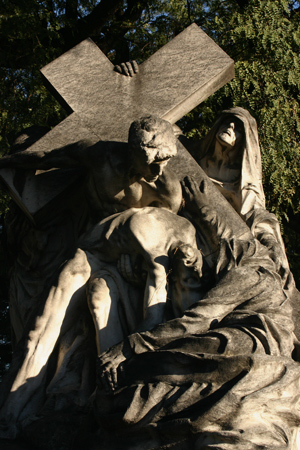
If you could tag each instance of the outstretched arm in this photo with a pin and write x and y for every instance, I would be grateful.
(72, 155)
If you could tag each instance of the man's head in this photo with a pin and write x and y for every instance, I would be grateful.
(187, 263)
(151, 144)
(231, 132)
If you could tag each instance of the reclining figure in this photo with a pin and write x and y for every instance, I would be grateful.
(153, 233)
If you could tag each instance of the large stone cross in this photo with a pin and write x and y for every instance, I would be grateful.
(169, 84)
(103, 103)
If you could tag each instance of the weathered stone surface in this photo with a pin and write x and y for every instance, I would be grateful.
(169, 84)
(185, 165)
(191, 310)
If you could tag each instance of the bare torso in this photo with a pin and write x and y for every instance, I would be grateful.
(149, 231)
(110, 188)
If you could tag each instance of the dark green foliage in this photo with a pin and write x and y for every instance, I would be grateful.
(262, 36)
(5, 341)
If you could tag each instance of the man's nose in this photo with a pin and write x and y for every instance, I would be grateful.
(232, 125)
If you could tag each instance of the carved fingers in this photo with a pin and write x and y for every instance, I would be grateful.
(129, 68)
(109, 379)
(194, 195)
(196, 202)
(276, 253)
(109, 367)
(188, 188)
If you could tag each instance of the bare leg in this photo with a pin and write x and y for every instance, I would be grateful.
(42, 339)
(103, 298)
(155, 296)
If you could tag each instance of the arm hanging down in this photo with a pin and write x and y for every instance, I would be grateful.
(65, 295)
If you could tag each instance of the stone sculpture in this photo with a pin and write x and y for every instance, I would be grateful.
(189, 299)
(230, 155)
(151, 233)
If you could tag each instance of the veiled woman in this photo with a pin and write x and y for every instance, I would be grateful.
(230, 155)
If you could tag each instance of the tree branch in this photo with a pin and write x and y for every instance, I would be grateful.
(91, 24)
(16, 53)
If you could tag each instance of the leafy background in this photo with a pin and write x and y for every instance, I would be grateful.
(262, 36)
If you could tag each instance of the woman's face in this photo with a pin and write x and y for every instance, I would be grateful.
(231, 132)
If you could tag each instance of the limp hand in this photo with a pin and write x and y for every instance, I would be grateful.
(109, 366)
(129, 68)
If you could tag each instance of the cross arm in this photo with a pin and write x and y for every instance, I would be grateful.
(103, 103)
(170, 83)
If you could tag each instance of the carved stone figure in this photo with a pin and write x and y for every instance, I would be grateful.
(118, 175)
(111, 180)
(162, 317)
(230, 155)
(215, 376)
(151, 233)
(152, 236)
(116, 179)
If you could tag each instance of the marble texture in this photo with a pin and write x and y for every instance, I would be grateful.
(102, 103)
(147, 311)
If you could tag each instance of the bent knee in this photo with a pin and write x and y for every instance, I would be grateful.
(100, 289)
